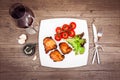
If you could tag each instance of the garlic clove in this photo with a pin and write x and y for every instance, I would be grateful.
(21, 41)
(34, 58)
(23, 36)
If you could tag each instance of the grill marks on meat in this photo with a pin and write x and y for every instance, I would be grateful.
(56, 56)
(49, 44)
(65, 48)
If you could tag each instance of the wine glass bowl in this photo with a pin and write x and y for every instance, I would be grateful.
(23, 16)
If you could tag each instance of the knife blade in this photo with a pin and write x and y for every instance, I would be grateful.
(95, 33)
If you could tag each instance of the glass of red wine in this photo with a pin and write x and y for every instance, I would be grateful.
(24, 17)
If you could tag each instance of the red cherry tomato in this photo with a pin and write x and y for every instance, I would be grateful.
(72, 25)
(64, 35)
(57, 37)
(65, 27)
(71, 33)
(58, 30)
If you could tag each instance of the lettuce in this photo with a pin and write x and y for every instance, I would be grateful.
(77, 43)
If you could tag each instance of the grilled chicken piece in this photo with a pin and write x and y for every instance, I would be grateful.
(49, 44)
(65, 48)
(56, 56)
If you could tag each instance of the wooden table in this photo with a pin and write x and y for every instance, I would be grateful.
(14, 65)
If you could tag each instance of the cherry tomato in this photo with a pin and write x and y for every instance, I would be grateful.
(71, 33)
(57, 37)
(65, 27)
(64, 35)
(58, 30)
(72, 25)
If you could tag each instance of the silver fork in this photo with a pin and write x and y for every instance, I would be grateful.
(96, 54)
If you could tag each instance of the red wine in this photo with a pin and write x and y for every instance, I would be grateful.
(22, 15)
(18, 12)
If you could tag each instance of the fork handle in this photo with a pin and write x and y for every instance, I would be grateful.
(93, 60)
(98, 57)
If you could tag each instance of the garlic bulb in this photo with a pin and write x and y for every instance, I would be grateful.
(22, 38)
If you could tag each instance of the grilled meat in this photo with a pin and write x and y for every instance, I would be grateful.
(65, 48)
(56, 56)
(49, 44)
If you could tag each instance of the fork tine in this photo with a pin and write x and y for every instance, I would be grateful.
(100, 33)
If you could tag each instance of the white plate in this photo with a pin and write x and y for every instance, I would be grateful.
(47, 29)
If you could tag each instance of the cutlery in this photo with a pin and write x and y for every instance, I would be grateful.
(97, 36)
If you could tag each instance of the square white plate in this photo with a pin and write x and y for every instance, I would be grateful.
(47, 29)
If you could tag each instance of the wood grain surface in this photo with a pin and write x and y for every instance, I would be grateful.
(15, 65)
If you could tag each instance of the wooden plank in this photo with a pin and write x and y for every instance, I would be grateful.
(66, 1)
(104, 66)
(98, 21)
(81, 13)
(109, 61)
(69, 75)
(66, 5)
(111, 22)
